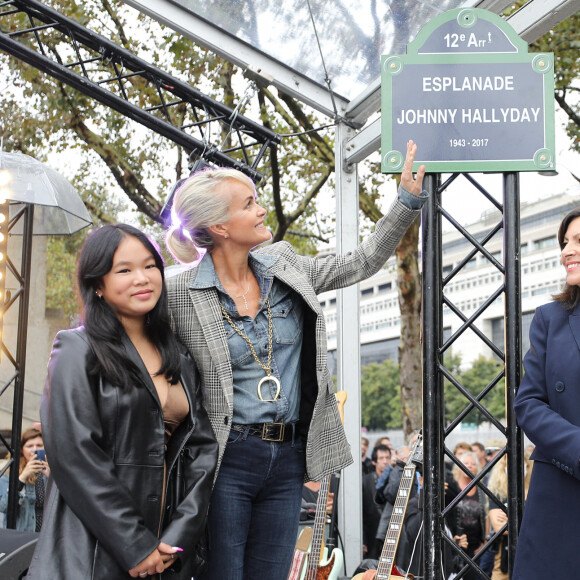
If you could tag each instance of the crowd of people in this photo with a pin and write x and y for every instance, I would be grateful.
(470, 522)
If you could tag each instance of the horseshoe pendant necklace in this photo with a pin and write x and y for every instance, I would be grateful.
(267, 367)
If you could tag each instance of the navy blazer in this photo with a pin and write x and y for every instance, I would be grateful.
(547, 404)
(547, 407)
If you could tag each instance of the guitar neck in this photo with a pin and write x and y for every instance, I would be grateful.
(320, 518)
(387, 559)
(318, 530)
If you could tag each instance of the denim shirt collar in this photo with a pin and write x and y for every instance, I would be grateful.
(205, 275)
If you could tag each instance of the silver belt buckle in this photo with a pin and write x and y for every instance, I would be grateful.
(266, 432)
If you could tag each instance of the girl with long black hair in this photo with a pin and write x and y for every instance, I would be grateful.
(132, 451)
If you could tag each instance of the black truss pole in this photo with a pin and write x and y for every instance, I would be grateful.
(20, 364)
(434, 372)
(432, 380)
(513, 356)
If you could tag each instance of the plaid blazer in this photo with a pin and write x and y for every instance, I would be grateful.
(198, 322)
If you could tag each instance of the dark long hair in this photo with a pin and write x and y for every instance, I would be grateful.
(103, 328)
(570, 295)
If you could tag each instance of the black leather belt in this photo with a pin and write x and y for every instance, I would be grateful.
(276, 432)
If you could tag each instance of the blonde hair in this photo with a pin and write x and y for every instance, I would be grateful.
(458, 472)
(197, 207)
(498, 479)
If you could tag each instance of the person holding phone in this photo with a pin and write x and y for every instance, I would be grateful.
(132, 451)
(34, 471)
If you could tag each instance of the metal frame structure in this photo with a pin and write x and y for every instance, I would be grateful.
(24, 216)
(241, 54)
(108, 73)
(352, 146)
(435, 372)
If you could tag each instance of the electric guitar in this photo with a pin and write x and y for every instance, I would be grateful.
(386, 569)
(300, 551)
(319, 566)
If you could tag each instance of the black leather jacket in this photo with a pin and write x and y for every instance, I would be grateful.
(106, 449)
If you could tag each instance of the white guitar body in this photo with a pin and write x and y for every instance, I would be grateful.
(329, 568)
(318, 565)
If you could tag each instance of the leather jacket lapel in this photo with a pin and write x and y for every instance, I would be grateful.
(136, 359)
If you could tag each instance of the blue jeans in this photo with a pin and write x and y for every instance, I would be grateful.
(255, 509)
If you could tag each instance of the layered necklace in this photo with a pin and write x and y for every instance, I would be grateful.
(267, 367)
(243, 296)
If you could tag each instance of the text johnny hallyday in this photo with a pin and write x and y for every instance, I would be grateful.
(468, 115)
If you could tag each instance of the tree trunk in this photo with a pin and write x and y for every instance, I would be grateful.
(409, 288)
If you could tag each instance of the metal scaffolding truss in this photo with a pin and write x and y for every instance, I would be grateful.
(436, 373)
(106, 72)
(23, 216)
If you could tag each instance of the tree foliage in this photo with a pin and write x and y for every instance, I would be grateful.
(564, 41)
(475, 380)
(109, 157)
(380, 396)
(381, 393)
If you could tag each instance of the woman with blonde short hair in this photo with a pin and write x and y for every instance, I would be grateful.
(252, 321)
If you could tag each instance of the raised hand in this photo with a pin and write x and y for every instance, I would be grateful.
(413, 185)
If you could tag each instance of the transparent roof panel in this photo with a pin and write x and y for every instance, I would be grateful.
(353, 34)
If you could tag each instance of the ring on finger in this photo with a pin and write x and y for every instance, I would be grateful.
(143, 574)
(172, 556)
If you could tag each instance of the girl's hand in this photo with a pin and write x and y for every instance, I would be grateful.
(168, 553)
(153, 564)
(160, 559)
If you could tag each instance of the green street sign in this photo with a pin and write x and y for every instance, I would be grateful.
(471, 96)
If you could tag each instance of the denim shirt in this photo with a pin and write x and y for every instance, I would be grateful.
(287, 321)
(26, 517)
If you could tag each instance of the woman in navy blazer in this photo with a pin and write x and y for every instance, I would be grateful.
(547, 407)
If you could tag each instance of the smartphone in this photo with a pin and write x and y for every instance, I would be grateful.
(41, 454)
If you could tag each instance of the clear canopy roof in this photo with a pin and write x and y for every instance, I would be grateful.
(353, 34)
(298, 44)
